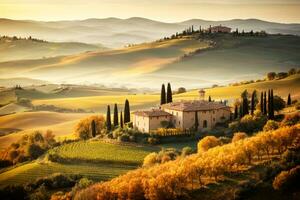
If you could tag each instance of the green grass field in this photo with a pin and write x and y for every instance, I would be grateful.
(97, 151)
(108, 161)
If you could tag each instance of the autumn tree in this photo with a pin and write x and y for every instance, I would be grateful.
(239, 136)
(83, 129)
(207, 143)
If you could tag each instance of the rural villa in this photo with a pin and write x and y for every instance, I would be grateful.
(220, 29)
(182, 115)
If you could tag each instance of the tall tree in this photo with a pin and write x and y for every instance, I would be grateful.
(121, 120)
(209, 99)
(93, 128)
(196, 121)
(241, 111)
(236, 112)
(116, 116)
(253, 102)
(265, 103)
(169, 94)
(163, 95)
(126, 112)
(262, 102)
(289, 100)
(108, 119)
(271, 102)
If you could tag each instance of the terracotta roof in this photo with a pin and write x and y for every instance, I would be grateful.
(194, 106)
(151, 113)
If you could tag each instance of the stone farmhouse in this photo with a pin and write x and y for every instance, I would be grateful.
(220, 29)
(182, 115)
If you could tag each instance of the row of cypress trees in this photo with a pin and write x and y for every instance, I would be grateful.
(166, 98)
(126, 119)
(266, 104)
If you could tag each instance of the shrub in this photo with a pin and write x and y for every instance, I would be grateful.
(279, 103)
(207, 143)
(153, 140)
(150, 159)
(34, 151)
(239, 136)
(271, 125)
(290, 120)
(82, 184)
(249, 124)
(13, 192)
(186, 151)
(123, 138)
(287, 180)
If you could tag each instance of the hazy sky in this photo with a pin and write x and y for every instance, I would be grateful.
(163, 10)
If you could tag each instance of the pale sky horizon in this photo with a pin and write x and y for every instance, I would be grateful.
(284, 11)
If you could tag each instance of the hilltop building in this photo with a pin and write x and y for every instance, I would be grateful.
(182, 115)
(220, 29)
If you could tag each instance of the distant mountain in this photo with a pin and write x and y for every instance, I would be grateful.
(12, 82)
(115, 32)
(19, 49)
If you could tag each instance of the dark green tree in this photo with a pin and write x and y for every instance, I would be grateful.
(262, 102)
(209, 99)
(93, 128)
(245, 106)
(241, 111)
(121, 120)
(253, 102)
(116, 116)
(265, 104)
(236, 112)
(196, 125)
(163, 95)
(108, 119)
(271, 102)
(169, 94)
(289, 100)
(126, 112)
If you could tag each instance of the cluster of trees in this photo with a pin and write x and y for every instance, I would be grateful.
(174, 179)
(281, 75)
(166, 97)
(20, 38)
(29, 147)
(267, 105)
(116, 122)
(250, 33)
(270, 76)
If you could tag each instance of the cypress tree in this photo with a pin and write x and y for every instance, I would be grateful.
(209, 99)
(262, 102)
(93, 128)
(289, 101)
(121, 119)
(169, 94)
(236, 112)
(265, 103)
(253, 102)
(245, 106)
(108, 120)
(163, 95)
(271, 105)
(126, 112)
(241, 111)
(116, 116)
(196, 121)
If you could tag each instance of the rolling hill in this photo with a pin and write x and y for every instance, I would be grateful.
(22, 49)
(219, 59)
(115, 32)
(281, 87)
